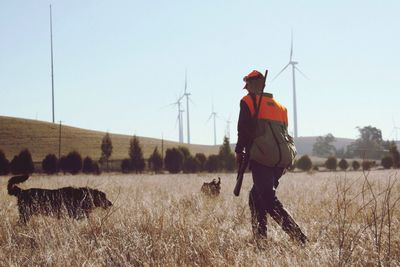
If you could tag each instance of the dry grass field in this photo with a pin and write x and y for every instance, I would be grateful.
(163, 220)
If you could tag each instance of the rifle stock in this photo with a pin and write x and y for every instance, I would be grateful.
(241, 171)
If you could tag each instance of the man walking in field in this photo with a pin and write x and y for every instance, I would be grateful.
(263, 137)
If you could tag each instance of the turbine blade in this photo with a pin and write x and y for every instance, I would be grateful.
(169, 105)
(191, 101)
(291, 46)
(305, 76)
(209, 118)
(180, 98)
(276, 76)
(185, 80)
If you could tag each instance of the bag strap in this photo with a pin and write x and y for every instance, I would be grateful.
(256, 106)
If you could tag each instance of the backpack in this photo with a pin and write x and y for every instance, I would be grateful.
(272, 145)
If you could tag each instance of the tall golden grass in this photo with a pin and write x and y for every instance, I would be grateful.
(163, 220)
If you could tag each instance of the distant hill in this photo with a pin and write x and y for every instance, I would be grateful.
(42, 138)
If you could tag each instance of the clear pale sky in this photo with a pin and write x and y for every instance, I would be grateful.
(117, 64)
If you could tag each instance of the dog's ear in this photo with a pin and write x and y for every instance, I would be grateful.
(219, 180)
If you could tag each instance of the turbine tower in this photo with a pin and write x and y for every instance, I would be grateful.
(294, 68)
(178, 103)
(186, 94)
(214, 116)
(52, 69)
(180, 116)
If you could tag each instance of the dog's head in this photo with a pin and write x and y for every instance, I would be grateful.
(100, 199)
(212, 188)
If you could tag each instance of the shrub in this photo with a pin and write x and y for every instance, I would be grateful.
(226, 157)
(387, 162)
(74, 162)
(191, 165)
(343, 164)
(213, 163)
(356, 165)
(4, 164)
(395, 156)
(50, 164)
(106, 149)
(331, 163)
(63, 164)
(136, 155)
(315, 168)
(126, 165)
(185, 152)
(22, 164)
(173, 160)
(366, 165)
(201, 158)
(155, 161)
(96, 168)
(304, 163)
(230, 162)
(88, 165)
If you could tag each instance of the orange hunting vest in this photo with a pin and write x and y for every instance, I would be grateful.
(269, 108)
(272, 145)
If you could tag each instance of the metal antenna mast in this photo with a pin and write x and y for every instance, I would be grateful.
(52, 68)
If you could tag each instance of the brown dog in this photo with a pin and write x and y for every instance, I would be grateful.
(74, 202)
(212, 188)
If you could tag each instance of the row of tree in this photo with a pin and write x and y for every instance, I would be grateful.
(304, 163)
(71, 163)
(369, 145)
(177, 159)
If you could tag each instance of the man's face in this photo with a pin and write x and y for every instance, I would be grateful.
(255, 85)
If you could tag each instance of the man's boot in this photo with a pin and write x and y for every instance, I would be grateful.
(286, 221)
(258, 220)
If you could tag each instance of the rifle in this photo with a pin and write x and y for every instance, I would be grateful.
(242, 168)
(245, 159)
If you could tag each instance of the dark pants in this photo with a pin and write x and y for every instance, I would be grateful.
(263, 200)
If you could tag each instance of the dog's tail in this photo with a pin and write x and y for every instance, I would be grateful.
(12, 188)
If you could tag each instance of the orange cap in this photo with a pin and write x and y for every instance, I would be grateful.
(251, 76)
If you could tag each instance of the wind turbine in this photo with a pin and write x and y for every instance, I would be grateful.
(214, 116)
(293, 64)
(178, 103)
(186, 94)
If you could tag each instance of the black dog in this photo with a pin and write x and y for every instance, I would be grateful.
(212, 188)
(75, 202)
